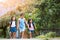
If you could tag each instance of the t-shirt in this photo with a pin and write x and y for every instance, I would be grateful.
(31, 28)
(13, 24)
(22, 22)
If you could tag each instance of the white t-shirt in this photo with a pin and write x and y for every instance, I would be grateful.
(13, 24)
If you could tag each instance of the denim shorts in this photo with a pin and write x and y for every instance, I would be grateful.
(31, 31)
(13, 29)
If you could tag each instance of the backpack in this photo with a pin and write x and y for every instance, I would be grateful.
(33, 25)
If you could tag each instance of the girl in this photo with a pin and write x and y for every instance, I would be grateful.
(21, 24)
(13, 27)
(31, 27)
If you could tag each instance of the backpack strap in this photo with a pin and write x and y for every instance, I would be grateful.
(11, 23)
(33, 25)
(29, 25)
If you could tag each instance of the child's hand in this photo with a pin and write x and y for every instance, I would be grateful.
(17, 28)
(28, 26)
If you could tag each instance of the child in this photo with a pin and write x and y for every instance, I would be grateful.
(13, 27)
(21, 24)
(31, 27)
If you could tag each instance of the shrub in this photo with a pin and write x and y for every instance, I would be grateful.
(51, 34)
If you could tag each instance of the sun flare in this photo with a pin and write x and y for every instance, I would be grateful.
(2, 0)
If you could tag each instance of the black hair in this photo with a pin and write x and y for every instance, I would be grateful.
(12, 19)
(29, 20)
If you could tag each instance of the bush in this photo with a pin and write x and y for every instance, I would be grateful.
(43, 37)
(51, 34)
(47, 36)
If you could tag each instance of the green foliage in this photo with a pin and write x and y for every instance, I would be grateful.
(43, 37)
(51, 34)
(47, 36)
(1, 34)
(48, 13)
(45, 14)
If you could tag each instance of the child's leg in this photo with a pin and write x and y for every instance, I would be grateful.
(14, 34)
(33, 33)
(30, 35)
(23, 34)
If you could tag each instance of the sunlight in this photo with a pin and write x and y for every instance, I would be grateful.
(2, 0)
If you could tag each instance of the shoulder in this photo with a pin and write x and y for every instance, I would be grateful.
(24, 19)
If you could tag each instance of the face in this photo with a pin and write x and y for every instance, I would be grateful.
(31, 21)
(22, 16)
(13, 18)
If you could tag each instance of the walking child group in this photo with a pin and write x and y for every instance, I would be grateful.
(21, 25)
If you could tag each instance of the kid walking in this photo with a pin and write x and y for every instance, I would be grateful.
(31, 27)
(21, 24)
(13, 27)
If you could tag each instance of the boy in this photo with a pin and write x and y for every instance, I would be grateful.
(21, 24)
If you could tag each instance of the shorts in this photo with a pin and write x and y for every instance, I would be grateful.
(22, 29)
(31, 31)
(13, 29)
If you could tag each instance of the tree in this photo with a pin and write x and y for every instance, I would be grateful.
(48, 12)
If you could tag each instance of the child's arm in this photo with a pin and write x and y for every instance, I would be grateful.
(28, 26)
(26, 23)
(17, 24)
